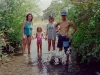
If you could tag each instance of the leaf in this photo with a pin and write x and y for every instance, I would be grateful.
(83, 59)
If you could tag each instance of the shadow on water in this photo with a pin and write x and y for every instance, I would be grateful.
(18, 54)
(41, 66)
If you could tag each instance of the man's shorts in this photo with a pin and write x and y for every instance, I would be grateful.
(63, 41)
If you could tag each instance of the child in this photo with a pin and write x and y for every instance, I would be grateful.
(39, 36)
(51, 33)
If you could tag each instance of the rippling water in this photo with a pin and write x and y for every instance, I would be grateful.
(41, 65)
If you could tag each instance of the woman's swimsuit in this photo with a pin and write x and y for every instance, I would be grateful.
(28, 29)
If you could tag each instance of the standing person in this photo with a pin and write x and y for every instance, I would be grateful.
(51, 33)
(27, 32)
(39, 36)
(63, 38)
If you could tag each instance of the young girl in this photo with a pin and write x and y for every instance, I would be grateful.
(51, 33)
(27, 32)
(39, 36)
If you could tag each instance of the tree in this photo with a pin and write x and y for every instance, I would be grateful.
(86, 40)
(12, 14)
(55, 8)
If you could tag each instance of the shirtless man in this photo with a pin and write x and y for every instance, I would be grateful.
(63, 38)
(64, 28)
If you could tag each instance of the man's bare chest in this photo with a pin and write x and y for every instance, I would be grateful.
(64, 25)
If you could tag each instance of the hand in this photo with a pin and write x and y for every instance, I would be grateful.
(32, 37)
(69, 36)
(45, 38)
(24, 36)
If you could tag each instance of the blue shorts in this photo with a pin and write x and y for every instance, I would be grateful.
(63, 41)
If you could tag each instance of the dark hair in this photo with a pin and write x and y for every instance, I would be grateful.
(51, 16)
(28, 15)
(40, 28)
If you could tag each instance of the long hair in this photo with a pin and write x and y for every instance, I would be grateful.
(28, 15)
(39, 28)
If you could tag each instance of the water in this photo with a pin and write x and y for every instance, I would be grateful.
(41, 65)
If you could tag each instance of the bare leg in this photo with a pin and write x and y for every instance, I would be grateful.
(38, 46)
(60, 49)
(41, 45)
(24, 44)
(67, 62)
(53, 44)
(29, 43)
(49, 44)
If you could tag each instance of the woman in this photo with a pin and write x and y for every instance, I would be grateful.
(27, 32)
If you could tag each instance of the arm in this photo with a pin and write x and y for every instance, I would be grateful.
(43, 36)
(57, 24)
(46, 32)
(32, 32)
(74, 29)
(36, 36)
(58, 29)
(23, 29)
(46, 35)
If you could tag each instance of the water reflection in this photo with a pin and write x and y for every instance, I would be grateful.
(40, 66)
(29, 60)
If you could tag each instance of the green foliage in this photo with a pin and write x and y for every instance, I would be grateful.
(2, 43)
(55, 9)
(86, 40)
(12, 15)
(86, 17)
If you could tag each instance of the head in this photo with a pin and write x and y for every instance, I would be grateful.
(39, 29)
(29, 17)
(51, 19)
(63, 15)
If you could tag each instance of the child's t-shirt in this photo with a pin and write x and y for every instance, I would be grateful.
(51, 31)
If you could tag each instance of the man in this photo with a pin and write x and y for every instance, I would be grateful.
(63, 38)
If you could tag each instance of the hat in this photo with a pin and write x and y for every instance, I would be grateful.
(51, 16)
(63, 13)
